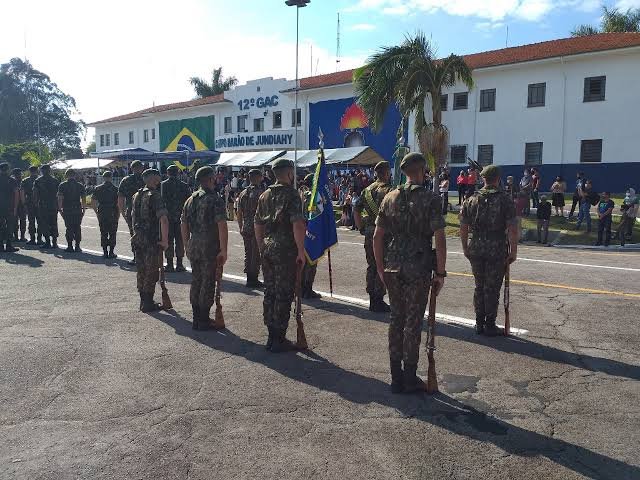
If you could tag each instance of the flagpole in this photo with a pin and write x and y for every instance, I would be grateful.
(330, 273)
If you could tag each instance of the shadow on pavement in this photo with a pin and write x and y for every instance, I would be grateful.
(18, 258)
(440, 410)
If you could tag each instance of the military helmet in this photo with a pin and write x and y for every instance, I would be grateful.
(490, 172)
(150, 172)
(411, 158)
(135, 163)
(107, 174)
(204, 172)
(281, 163)
(172, 169)
(381, 166)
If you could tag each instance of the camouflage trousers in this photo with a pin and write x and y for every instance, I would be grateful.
(251, 257)
(72, 222)
(6, 222)
(175, 240)
(20, 223)
(203, 283)
(279, 271)
(488, 274)
(31, 216)
(308, 275)
(148, 266)
(375, 288)
(128, 217)
(108, 223)
(48, 222)
(408, 303)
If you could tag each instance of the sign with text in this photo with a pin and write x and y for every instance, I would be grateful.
(272, 140)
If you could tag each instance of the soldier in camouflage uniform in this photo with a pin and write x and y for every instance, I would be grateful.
(71, 203)
(280, 231)
(411, 215)
(127, 189)
(174, 193)
(20, 220)
(45, 194)
(105, 204)
(247, 204)
(9, 198)
(27, 189)
(205, 234)
(310, 269)
(365, 214)
(491, 218)
(150, 237)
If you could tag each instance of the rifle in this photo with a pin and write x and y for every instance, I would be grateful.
(218, 323)
(301, 338)
(166, 301)
(507, 322)
(432, 378)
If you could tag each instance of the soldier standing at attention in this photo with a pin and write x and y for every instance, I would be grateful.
(489, 215)
(206, 236)
(310, 269)
(9, 198)
(127, 189)
(174, 193)
(247, 204)
(20, 220)
(72, 205)
(365, 214)
(27, 190)
(45, 193)
(105, 204)
(280, 231)
(411, 215)
(150, 233)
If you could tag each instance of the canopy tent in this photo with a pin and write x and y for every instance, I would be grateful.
(184, 156)
(125, 154)
(248, 159)
(81, 164)
(361, 156)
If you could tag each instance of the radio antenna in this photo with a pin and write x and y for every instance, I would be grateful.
(338, 45)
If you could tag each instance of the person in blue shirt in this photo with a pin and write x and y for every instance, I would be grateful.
(605, 208)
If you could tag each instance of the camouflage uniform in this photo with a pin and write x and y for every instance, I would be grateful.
(107, 197)
(310, 269)
(174, 193)
(27, 188)
(72, 192)
(45, 189)
(410, 214)
(488, 213)
(368, 207)
(278, 208)
(202, 211)
(127, 189)
(148, 209)
(8, 187)
(20, 220)
(247, 204)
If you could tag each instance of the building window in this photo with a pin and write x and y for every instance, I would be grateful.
(594, 89)
(591, 151)
(537, 93)
(277, 119)
(242, 123)
(533, 153)
(145, 136)
(116, 139)
(488, 100)
(131, 137)
(444, 100)
(102, 140)
(107, 139)
(153, 134)
(485, 154)
(296, 117)
(227, 125)
(458, 154)
(461, 101)
(258, 124)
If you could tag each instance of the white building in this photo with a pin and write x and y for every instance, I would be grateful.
(565, 106)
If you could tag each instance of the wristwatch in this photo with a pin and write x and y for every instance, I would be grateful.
(443, 274)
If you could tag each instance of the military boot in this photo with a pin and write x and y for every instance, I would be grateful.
(281, 343)
(378, 305)
(310, 294)
(479, 325)
(397, 382)
(254, 283)
(111, 253)
(179, 265)
(148, 304)
(32, 240)
(105, 253)
(141, 300)
(54, 242)
(69, 248)
(412, 383)
(10, 248)
(78, 249)
(272, 333)
(46, 244)
(490, 328)
(169, 266)
(196, 317)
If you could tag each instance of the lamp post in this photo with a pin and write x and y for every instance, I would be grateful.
(298, 4)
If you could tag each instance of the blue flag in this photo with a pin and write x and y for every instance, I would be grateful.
(321, 225)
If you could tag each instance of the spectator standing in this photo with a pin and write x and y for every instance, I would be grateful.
(535, 185)
(605, 210)
(511, 189)
(629, 210)
(355, 199)
(584, 211)
(580, 180)
(471, 182)
(444, 192)
(526, 190)
(557, 196)
(543, 213)
(461, 183)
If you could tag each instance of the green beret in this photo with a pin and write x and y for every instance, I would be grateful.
(490, 172)
(70, 172)
(16, 171)
(4, 166)
(204, 172)
(172, 169)
(135, 163)
(107, 174)
(254, 172)
(150, 172)
(281, 163)
(384, 165)
(411, 158)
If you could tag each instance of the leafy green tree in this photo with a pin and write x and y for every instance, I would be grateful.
(613, 21)
(22, 155)
(91, 148)
(218, 84)
(408, 75)
(33, 108)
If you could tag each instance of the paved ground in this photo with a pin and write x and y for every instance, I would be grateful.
(94, 389)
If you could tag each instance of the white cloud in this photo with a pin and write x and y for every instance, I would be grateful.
(625, 4)
(363, 27)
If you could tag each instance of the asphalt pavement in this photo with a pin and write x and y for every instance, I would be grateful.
(92, 388)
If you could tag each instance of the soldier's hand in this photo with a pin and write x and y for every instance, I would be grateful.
(221, 259)
(163, 245)
(300, 259)
(513, 256)
(438, 283)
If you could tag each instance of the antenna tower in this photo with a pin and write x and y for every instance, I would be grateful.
(338, 45)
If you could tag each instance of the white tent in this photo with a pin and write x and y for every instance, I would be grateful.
(337, 156)
(81, 164)
(247, 159)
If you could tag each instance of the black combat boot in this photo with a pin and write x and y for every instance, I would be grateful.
(180, 265)
(281, 343)
(272, 334)
(479, 325)
(397, 382)
(254, 283)
(169, 266)
(10, 248)
(32, 240)
(196, 317)
(69, 248)
(378, 305)
(412, 383)
(148, 304)
(105, 253)
(78, 249)
(111, 254)
(46, 244)
(490, 328)
(54, 242)
(141, 300)
(309, 294)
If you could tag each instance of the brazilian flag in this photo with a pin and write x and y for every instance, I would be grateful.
(191, 134)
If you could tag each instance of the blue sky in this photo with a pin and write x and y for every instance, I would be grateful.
(118, 56)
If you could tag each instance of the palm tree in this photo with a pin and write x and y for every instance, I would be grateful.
(613, 20)
(216, 87)
(406, 75)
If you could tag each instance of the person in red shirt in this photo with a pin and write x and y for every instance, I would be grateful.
(535, 185)
(471, 182)
(461, 183)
